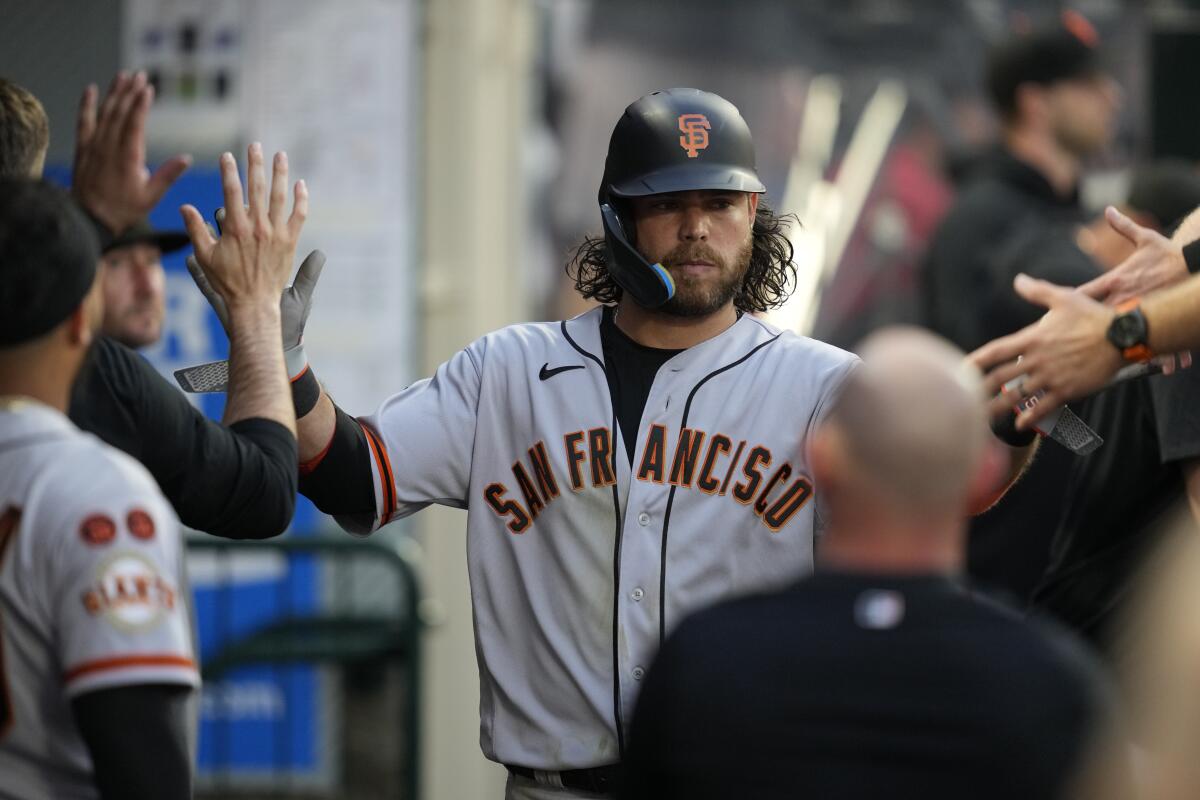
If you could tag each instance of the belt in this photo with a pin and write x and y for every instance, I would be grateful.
(597, 780)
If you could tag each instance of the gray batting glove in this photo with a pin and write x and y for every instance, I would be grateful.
(295, 304)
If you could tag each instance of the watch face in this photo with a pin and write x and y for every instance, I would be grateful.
(1128, 330)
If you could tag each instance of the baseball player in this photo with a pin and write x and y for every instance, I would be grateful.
(96, 660)
(620, 469)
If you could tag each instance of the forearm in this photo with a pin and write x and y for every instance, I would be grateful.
(258, 384)
(1173, 317)
(315, 429)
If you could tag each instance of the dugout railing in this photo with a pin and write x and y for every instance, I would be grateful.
(334, 628)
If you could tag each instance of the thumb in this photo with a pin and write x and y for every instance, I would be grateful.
(1039, 292)
(308, 274)
(202, 240)
(1123, 225)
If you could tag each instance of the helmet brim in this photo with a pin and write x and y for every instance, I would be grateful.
(688, 178)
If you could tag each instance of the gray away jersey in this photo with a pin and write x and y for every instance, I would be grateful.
(91, 593)
(578, 567)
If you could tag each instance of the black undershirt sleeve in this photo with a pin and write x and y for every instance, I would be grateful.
(138, 741)
(237, 482)
(341, 483)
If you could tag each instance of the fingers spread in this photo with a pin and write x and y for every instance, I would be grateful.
(279, 181)
(1042, 293)
(256, 183)
(1123, 225)
(167, 173)
(997, 351)
(231, 185)
(994, 381)
(202, 240)
(299, 209)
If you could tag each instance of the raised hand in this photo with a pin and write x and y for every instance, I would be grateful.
(110, 178)
(252, 259)
(1156, 263)
(1066, 352)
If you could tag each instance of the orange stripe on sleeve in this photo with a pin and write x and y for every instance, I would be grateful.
(121, 662)
(385, 474)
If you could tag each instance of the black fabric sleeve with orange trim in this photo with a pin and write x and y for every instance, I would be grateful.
(340, 482)
(137, 737)
(236, 482)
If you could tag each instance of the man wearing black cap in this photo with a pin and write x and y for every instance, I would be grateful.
(134, 283)
(98, 669)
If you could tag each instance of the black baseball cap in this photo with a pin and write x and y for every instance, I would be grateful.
(1042, 56)
(142, 232)
(48, 256)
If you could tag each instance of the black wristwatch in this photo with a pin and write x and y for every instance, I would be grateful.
(1191, 256)
(1129, 332)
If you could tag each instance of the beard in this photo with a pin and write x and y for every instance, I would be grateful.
(701, 296)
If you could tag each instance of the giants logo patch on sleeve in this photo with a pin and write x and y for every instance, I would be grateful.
(129, 593)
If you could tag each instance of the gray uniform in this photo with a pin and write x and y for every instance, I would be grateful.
(580, 566)
(91, 593)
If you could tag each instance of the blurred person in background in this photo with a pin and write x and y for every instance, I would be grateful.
(1057, 107)
(134, 284)
(1161, 194)
(881, 675)
(236, 480)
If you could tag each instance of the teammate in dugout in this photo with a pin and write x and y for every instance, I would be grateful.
(236, 480)
(620, 469)
(97, 670)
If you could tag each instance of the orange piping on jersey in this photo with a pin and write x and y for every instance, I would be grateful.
(307, 467)
(307, 367)
(121, 662)
(385, 474)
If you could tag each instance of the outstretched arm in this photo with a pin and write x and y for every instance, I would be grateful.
(248, 267)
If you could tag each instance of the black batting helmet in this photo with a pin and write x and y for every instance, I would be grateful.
(674, 140)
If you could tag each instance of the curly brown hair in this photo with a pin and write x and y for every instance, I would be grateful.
(767, 283)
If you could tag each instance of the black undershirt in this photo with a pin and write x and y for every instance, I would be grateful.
(630, 368)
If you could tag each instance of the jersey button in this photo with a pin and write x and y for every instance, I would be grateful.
(638, 672)
(637, 594)
(643, 519)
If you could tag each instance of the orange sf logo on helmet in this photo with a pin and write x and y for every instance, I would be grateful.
(695, 129)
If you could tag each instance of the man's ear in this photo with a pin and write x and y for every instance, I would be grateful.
(991, 479)
(753, 207)
(79, 326)
(1029, 103)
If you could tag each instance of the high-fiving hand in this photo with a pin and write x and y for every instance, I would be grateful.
(1156, 263)
(252, 259)
(110, 177)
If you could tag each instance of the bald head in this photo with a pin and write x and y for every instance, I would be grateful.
(910, 427)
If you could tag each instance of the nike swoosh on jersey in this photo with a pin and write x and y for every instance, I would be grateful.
(546, 374)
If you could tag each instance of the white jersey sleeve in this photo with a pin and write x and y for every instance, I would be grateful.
(421, 441)
(111, 581)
